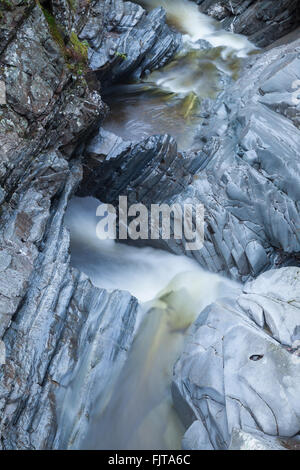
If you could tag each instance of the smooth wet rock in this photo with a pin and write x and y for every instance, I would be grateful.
(58, 324)
(236, 372)
(64, 338)
(246, 171)
(127, 41)
(146, 171)
(66, 341)
(196, 437)
(262, 21)
(248, 176)
(241, 440)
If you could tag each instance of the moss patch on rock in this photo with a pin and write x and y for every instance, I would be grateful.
(74, 51)
(55, 30)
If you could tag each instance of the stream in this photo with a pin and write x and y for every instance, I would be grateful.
(172, 290)
(168, 100)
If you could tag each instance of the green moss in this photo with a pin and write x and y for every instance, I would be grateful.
(54, 30)
(80, 48)
(72, 4)
(119, 54)
(77, 69)
(75, 52)
(6, 4)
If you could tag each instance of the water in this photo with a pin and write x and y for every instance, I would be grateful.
(172, 290)
(168, 100)
(187, 19)
(141, 271)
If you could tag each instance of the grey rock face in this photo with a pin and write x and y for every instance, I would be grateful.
(241, 440)
(236, 372)
(43, 100)
(30, 95)
(113, 167)
(65, 339)
(262, 21)
(128, 42)
(248, 175)
(14, 12)
(246, 172)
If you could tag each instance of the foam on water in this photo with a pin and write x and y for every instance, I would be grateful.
(141, 271)
(172, 290)
(187, 18)
(175, 92)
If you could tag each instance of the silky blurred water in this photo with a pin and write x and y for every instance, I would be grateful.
(172, 290)
(186, 17)
(169, 100)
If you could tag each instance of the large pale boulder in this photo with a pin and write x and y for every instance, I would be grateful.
(241, 365)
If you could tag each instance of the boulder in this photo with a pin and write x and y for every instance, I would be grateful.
(237, 373)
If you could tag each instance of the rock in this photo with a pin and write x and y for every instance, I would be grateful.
(248, 175)
(65, 335)
(75, 120)
(237, 372)
(28, 94)
(113, 167)
(14, 12)
(65, 13)
(245, 172)
(43, 99)
(262, 21)
(196, 437)
(64, 339)
(2, 93)
(128, 41)
(241, 440)
(279, 303)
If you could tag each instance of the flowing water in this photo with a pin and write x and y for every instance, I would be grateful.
(172, 290)
(168, 100)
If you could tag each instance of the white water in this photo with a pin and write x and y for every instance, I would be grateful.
(174, 93)
(187, 18)
(144, 272)
(172, 290)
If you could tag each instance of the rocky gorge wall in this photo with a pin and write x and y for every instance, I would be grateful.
(52, 320)
(262, 21)
(245, 171)
(60, 332)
